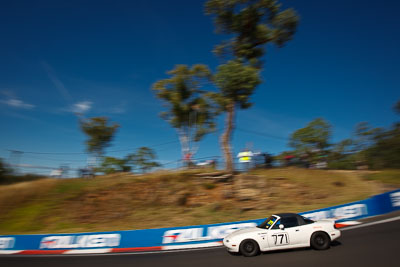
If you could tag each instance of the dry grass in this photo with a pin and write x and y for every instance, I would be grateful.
(391, 178)
(168, 199)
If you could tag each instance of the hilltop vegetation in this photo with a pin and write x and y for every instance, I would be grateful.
(166, 199)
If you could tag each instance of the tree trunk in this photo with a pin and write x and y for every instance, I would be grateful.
(184, 141)
(226, 138)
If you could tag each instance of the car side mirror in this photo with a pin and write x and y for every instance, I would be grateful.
(281, 226)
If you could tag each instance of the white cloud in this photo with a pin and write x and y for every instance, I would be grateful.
(16, 103)
(82, 107)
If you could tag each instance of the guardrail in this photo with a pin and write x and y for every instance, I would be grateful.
(177, 237)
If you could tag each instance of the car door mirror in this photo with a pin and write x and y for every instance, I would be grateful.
(281, 226)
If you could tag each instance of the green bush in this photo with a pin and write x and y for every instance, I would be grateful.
(209, 186)
(342, 165)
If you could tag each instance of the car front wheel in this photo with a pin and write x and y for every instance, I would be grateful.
(320, 241)
(249, 248)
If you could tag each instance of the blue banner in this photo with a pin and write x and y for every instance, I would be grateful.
(182, 237)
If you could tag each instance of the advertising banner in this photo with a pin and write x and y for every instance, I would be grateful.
(178, 237)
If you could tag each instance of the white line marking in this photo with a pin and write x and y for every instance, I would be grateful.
(6, 252)
(116, 253)
(371, 223)
(202, 245)
(87, 251)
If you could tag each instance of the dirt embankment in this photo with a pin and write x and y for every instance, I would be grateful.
(126, 201)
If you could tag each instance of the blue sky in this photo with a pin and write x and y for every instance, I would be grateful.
(101, 58)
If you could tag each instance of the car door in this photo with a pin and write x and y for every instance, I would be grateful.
(287, 237)
(306, 232)
(263, 232)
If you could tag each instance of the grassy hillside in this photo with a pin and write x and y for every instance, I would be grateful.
(388, 177)
(125, 201)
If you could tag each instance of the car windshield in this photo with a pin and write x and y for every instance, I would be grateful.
(268, 222)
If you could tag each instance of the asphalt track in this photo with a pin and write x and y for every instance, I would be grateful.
(373, 245)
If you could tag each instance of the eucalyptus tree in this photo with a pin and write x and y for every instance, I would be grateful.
(143, 159)
(312, 140)
(236, 83)
(113, 164)
(187, 108)
(250, 26)
(100, 133)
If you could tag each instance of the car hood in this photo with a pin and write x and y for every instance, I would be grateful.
(244, 231)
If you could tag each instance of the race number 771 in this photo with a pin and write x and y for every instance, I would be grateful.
(280, 239)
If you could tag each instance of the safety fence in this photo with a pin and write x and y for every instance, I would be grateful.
(178, 237)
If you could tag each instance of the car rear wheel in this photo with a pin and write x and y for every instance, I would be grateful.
(249, 248)
(320, 241)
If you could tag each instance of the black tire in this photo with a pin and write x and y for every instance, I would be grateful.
(320, 241)
(249, 248)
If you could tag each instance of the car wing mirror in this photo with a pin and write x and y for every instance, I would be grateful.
(281, 226)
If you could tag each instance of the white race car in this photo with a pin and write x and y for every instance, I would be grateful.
(282, 231)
